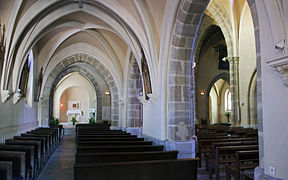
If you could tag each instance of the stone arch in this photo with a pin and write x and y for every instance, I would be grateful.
(179, 96)
(222, 20)
(182, 94)
(225, 77)
(101, 69)
(88, 76)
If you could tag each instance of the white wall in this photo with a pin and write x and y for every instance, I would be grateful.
(274, 96)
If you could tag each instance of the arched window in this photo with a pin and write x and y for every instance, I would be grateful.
(29, 92)
(227, 100)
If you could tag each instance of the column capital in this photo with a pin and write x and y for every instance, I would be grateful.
(280, 65)
(231, 59)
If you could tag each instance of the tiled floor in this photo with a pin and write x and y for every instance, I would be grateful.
(61, 163)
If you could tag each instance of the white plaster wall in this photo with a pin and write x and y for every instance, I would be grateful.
(152, 124)
(247, 61)
(274, 100)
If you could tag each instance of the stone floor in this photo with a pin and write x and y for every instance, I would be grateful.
(203, 173)
(61, 163)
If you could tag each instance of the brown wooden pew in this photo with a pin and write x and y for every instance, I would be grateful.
(39, 155)
(225, 155)
(245, 160)
(18, 163)
(6, 170)
(124, 156)
(99, 149)
(29, 156)
(184, 169)
(113, 143)
(36, 144)
(205, 145)
(110, 139)
(227, 143)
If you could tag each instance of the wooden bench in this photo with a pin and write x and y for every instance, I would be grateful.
(204, 146)
(184, 169)
(102, 149)
(29, 156)
(245, 160)
(6, 170)
(225, 155)
(36, 144)
(110, 139)
(39, 156)
(124, 156)
(18, 163)
(42, 139)
(113, 143)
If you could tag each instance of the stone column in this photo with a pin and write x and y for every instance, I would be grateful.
(234, 90)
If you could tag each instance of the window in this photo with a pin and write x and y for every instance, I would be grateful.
(29, 91)
(227, 100)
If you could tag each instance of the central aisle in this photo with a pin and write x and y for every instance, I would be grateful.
(60, 166)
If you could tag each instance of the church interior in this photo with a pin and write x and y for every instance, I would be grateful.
(184, 89)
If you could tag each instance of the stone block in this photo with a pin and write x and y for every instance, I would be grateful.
(174, 93)
(178, 41)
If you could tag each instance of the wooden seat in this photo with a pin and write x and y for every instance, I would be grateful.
(6, 170)
(245, 160)
(113, 143)
(224, 155)
(100, 149)
(18, 163)
(29, 156)
(143, 170)
(124, 156)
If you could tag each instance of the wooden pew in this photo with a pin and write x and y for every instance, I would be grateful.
(107, 136)
(113, 143)
(6, 170)
(245, 160)
(29, 156)
(204, 146)
(110, 139)
(225, 155)
(221, 144)
(101, 149)
(39, 155)
(47, 147)
(184, 169)
(36, 144)
(49, 139)
(44, 143)
(124, 156)
(18, 163)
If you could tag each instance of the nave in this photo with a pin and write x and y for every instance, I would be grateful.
(61, 163)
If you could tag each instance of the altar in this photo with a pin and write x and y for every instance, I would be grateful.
(74, 113)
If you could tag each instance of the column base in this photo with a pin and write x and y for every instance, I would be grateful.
(186, 148)
(135, 131)
(260, 175)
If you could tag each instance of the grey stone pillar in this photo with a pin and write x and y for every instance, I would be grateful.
(234, 90)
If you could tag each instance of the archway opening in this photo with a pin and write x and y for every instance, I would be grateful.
(74, 96)
(219, 102)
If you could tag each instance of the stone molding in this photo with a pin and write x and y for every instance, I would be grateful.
(153, 98)
(143, 100)
(17, 96)
(280, 65)
(5, 94)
